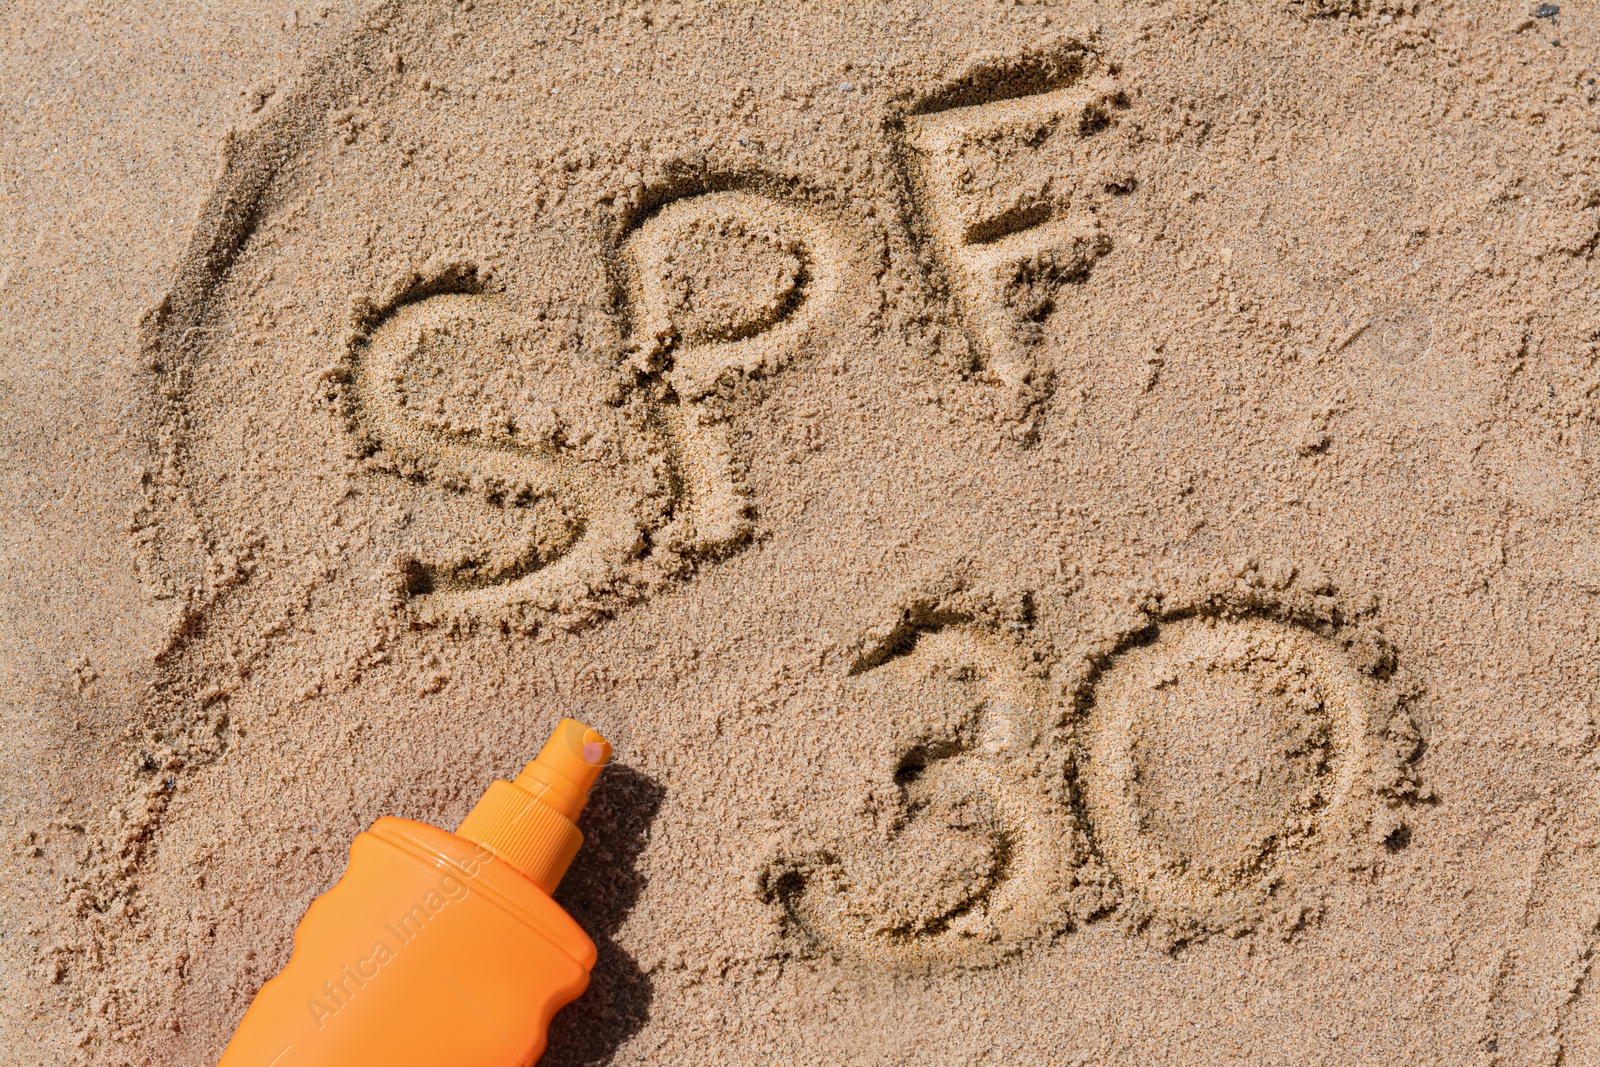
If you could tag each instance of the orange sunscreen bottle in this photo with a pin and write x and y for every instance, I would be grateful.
(440, 949)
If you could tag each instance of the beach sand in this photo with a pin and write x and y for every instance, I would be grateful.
(1080, 520)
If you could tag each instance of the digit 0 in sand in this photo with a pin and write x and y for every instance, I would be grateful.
(440, 947)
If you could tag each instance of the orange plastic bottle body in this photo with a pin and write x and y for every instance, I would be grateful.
(430, 951)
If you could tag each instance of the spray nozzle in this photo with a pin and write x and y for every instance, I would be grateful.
(530, 823)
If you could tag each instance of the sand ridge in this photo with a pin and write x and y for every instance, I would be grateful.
(1078, 522)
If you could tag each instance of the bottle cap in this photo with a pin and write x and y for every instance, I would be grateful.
(531, 822)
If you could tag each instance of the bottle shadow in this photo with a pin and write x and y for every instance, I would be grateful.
(599, 890)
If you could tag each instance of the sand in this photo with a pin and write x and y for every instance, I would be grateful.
(1079, 520)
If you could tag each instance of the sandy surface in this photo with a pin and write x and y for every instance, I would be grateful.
(1080, 520)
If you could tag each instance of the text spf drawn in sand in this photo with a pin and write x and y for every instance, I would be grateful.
(581, 424)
